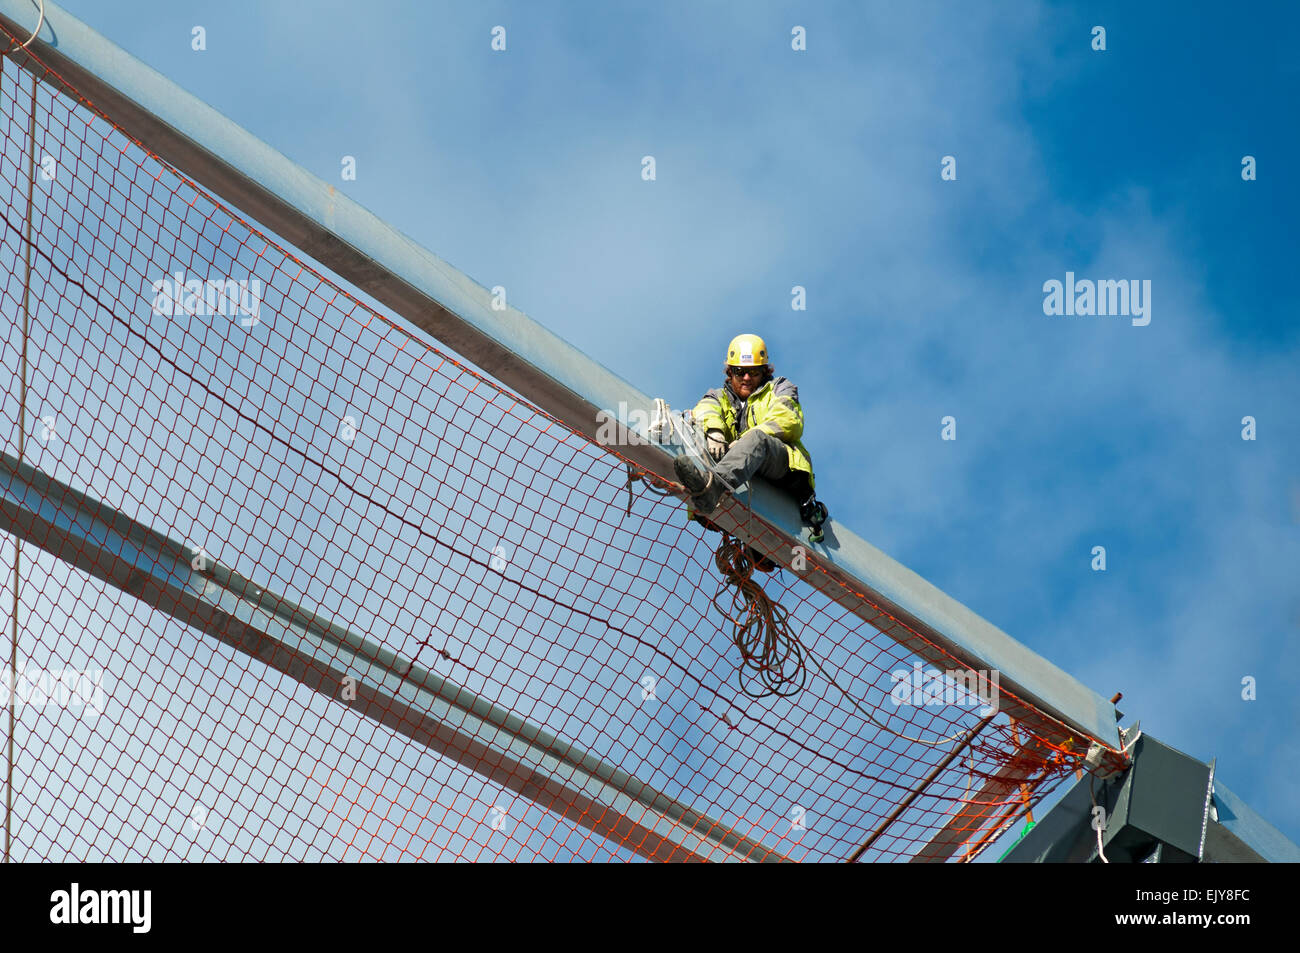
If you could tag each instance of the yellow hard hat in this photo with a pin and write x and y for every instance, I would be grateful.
(746, 350)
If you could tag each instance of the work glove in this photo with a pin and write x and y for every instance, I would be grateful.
(717, 442)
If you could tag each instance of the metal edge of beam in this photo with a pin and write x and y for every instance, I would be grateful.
(519, 352)
(1235, 823)
(295, 640)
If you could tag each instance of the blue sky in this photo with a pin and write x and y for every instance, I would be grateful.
(821, 169)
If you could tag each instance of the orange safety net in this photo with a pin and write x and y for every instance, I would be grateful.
(196, 374)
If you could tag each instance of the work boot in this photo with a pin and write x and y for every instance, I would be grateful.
(705, 488)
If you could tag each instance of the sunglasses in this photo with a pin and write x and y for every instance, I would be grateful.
(745, 371)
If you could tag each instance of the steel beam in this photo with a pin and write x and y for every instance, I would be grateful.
(540, 366)
(1237, 834)
(300, 642)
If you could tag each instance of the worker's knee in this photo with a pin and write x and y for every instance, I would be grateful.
(763, 441)
(774, 453)
(758, 452)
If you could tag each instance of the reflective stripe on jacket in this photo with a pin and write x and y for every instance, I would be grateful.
(774, 407)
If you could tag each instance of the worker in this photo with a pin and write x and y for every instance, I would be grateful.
(752, 426)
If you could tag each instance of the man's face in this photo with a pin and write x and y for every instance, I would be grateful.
(745, 380)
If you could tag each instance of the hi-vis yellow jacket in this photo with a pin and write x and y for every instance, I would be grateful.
(773, 407)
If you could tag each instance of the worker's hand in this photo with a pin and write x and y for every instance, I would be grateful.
(717, 441)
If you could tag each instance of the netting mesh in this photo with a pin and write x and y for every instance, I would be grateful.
(275, 419)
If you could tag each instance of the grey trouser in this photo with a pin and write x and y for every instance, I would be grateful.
(757, 452)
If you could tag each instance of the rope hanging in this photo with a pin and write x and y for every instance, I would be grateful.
(770, 654)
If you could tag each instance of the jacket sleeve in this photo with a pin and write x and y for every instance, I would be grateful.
(708, 414)
(784, 417)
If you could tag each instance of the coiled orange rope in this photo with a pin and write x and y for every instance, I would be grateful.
(770, 654)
